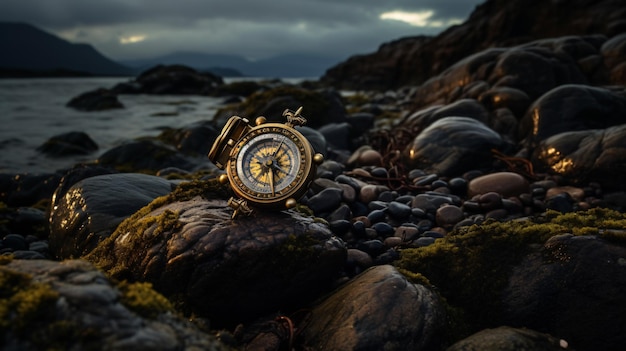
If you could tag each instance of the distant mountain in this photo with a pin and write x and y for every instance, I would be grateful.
(219, 64)
(290, 65)
(30, 50)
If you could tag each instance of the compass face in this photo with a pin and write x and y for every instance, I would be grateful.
(270, 164)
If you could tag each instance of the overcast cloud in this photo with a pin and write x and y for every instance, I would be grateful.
(133, 29)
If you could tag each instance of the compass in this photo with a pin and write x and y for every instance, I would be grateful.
(269, 165)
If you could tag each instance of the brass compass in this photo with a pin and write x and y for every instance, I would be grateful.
(268, 166)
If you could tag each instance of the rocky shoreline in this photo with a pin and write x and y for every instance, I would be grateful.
(482, 209)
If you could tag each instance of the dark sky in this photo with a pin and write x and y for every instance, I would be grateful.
(131, 29)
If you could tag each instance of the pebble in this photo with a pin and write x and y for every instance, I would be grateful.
(504, 183)
(399, 210)
(449, 215)
(326, 200)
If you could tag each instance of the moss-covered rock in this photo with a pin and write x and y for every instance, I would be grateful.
(188, 247)
(471, 266)
(69, 305)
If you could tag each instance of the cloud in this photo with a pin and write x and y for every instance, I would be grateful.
(255, 29)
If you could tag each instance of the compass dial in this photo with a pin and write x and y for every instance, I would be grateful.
(270, 164)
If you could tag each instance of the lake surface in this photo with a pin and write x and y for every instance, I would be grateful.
(33, 110)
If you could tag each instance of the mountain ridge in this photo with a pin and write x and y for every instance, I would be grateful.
(28, 48)
(30, 51)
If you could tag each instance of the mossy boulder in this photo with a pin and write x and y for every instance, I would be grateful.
(473, 267)
(70, 305)
(229, 271)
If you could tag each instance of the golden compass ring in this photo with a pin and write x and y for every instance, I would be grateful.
(234, 129)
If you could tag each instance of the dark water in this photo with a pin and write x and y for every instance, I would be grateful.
(33, 110)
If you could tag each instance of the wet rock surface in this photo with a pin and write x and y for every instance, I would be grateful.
(90, 210)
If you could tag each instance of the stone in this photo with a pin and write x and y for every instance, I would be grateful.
(586, 307)
(326, 200)
(68, 144)
(377, 310)
(585, 156)
(452, 146)
(91, 209)
(96, 100)
(228, 271)
(72, 305)
(506, 184)
(449, 215)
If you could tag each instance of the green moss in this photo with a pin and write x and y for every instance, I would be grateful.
(136, 225)
(22, 301)
(143, 300)
(470, 267)
(298, 251)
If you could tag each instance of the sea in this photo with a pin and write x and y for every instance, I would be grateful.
(34, 110)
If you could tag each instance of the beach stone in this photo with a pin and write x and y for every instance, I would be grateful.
(361, 260)
(586, 307)
(399, 210)
(383, 229)
(326, 200)
(96, 100)
(370, 192)
(70, 298)
(509, 339)
(585, 156)
(449, 215)
(452, 146)
(91, 209)
(506, 184)
(377, 310)
(68, 144)
(578, 194)
(365, 156)
(228, 271)
(406, 232)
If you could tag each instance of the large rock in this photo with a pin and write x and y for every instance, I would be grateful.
(573, 288)
(569, 108)
(68, 144)
(495, 23)
(171, 79)
(452, 146)
(91, 209)
(70, 305)
(96, 100)
(377, 310)
(228, 271)
(597, 155)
